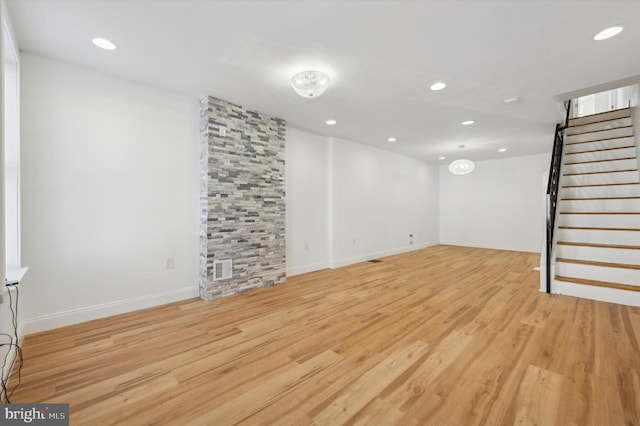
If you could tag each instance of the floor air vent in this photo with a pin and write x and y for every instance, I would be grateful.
(222, 269)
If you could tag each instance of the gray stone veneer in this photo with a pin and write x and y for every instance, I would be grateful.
(242, 203)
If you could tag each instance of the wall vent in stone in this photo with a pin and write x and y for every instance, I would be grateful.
(222, 269)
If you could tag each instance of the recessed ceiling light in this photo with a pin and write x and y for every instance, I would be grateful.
(511, 100)
(391, 140)
(331, 122)
(438, 86)
(502, 149)
(608, 33)
(103, 43)
(442, 158)
(467, 123)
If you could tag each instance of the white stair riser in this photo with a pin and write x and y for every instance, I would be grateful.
(612, 154)
(605, 166)
(622, 297)
(599, 254)
(599, 237)
(598, 273)
(600, 117)
(601, 125)
(606, 178)
(604, 134)
(601, 191)
(629, 205)
(600, 221)
(590, 146)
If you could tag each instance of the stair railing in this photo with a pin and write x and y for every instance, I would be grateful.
(552, 190)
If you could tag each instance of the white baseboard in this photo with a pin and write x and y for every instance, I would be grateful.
(88, 313)
(374, 255)
(297, 270)
(491, 247)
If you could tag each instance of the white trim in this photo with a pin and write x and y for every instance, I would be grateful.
(88, 313)
(303, 269)
(383, 253)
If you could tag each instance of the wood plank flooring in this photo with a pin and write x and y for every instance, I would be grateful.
(440, 336)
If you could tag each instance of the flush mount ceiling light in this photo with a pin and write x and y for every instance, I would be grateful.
(391, 140)
(467, 122)
(511, 100)
(103, 43)
(442, 158)
(310, 84)
(461, 166)
(438, 86)
(608, 33)
(330, 122)
(502, 150)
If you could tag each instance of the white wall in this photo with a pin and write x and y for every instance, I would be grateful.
(306, 186)
(379, 199)
(110, 188)
(339, 191)
(499, 205)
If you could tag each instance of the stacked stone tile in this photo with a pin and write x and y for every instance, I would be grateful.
(242, 204)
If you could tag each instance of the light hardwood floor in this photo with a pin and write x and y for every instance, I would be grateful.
(440, 336)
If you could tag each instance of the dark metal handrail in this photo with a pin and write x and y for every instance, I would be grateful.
(552, 189)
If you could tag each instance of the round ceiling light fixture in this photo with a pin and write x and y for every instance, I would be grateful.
(330, 122)
(391, 139)
(461, 166)
(438, 85)
(467, 122)
(608, 33)
(310, 84)
(105, 44)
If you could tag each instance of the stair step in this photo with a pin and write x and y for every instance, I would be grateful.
(621, 273)
(604, 220)
(600, 206)
(611, 246)
(617, 176)
(599, 135)
(614, 154)
(601, 150)
(607, 234)
(607, 143)
(607, 115)
(600, 184)
(601, 264)
(599, 212)
(601, 161)
(599, 228)
(600, 172)
(602, 191)
(595, 283)
(598, 125)
(605, 251)
(599, 198)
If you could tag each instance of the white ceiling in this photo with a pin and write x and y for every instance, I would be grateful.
(382, 56)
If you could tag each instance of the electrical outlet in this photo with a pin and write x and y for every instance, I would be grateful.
(168, 263)
(306, 246)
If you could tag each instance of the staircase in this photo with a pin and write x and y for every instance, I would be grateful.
(597, 253)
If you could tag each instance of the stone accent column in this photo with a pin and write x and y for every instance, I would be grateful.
(242, 204)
